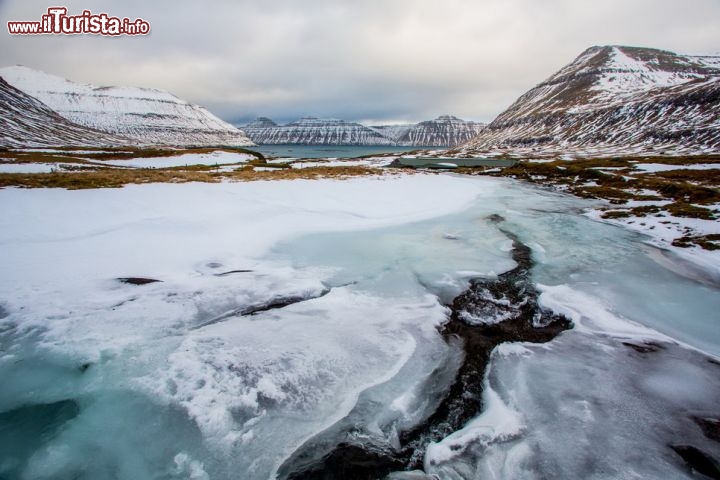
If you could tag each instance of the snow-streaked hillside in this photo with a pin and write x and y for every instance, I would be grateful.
(614, 100)
(150, 116)
(444, 131)
(27, 122)
(314, 131)
(393, 132)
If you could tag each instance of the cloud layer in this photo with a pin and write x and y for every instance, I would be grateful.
(372, 60)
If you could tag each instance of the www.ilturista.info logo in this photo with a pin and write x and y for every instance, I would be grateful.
(58, 22)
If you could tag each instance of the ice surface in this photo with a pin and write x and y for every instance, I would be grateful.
(172, 382)
(72, 330)
(611, 412)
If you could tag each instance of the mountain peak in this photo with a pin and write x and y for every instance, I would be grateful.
(616, 97)
(444, 131)
(261, 122)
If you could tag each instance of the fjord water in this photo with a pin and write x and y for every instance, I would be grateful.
(127, 384)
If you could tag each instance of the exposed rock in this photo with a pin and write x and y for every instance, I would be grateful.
(698, 460)
(709, 426)
(270, 304)
(137, 280)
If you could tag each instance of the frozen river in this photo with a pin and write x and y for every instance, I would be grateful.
(292, 319)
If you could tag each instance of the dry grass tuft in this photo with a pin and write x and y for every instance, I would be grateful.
(115, 178)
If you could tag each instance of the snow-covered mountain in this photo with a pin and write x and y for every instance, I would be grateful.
(444, 131)
(27, 122)
(313, 131)
(260, 122)
(393, 132)
(149, 116)
(614, 100)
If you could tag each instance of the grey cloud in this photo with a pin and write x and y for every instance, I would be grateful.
(381, 59)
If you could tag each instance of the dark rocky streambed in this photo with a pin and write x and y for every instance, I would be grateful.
(488, 313)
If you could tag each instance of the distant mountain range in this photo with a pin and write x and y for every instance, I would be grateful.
(444, 131)
(313, 131)
(144, 116)
(613, 101)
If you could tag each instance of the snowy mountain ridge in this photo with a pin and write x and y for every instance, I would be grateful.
(149, 116)
(614, 100)
(27, 122)
(444, 131)
(313, 131)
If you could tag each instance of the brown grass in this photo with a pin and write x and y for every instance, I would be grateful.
(679, 209)
(111, 153)
(115, 178)
(707, 242)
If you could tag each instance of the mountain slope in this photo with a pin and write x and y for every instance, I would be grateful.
(614, 100)
(27, 122)
(393, 132)
(314, 131)
(150, 116)
(444, 131)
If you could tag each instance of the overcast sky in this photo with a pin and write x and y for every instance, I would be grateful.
(367, 60)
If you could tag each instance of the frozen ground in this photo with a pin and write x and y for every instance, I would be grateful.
(347, 279)
(8, 167)
(661, 231)
(214, 158)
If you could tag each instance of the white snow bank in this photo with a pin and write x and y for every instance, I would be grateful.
(333, 163)
(214, 158)
(27, 167)
(166, 229)
(661, 167)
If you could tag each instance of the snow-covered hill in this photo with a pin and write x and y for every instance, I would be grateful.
(614, 100)
(394, 131)
(444, 131)
(313, 131)
(150, 116)
(27, 122)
